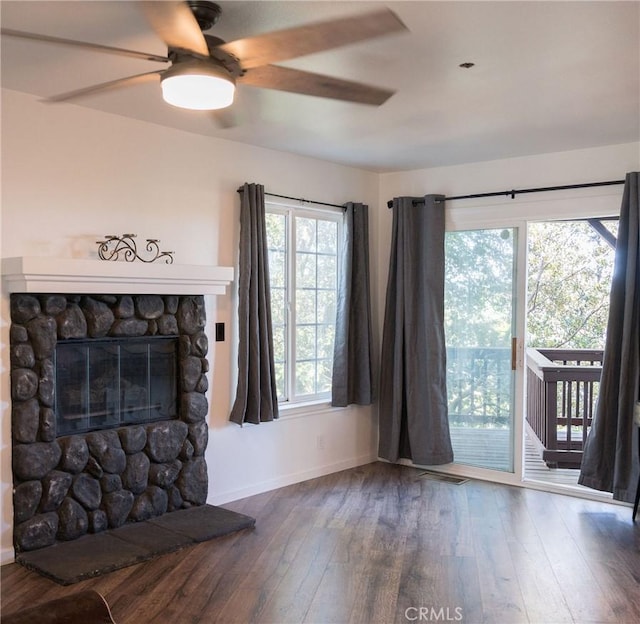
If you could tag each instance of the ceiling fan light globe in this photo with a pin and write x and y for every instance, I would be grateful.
(199, 89)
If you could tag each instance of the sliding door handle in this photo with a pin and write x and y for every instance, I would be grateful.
(514, 352)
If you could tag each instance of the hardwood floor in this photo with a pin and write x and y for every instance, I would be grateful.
(380, 544)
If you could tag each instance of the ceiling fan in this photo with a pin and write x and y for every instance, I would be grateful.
(204, 69)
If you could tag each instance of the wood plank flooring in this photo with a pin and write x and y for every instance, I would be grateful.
(379, 544)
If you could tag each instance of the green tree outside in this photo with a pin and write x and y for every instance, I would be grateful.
(569, 279)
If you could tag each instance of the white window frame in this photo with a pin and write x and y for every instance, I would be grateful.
(291, 212)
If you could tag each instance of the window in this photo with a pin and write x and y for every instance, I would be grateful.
(303, 269)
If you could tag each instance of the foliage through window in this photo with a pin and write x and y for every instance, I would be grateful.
(303, 269)
(569, 279)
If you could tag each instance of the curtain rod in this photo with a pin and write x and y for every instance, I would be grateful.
(515, 192)
(300, 199)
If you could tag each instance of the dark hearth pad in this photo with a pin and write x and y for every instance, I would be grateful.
(97, 554)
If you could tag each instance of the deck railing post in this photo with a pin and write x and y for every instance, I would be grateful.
(562, 406)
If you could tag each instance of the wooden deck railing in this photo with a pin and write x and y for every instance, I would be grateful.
(479, 386)
(562, 388)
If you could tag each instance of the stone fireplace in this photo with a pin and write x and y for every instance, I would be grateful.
(108, 392)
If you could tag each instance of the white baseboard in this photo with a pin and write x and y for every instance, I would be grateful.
(7, 555)
(220, 498)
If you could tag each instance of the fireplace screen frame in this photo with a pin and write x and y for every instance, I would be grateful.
(107, 383)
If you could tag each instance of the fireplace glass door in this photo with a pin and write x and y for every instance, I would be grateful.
(108, 383)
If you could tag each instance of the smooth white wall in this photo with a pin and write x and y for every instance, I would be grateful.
(71, 175)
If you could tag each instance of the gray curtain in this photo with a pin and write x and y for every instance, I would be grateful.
(256, 399)
(610, 458)
(352, 370)
(413, 420)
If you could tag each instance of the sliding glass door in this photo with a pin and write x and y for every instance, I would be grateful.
(480, 296)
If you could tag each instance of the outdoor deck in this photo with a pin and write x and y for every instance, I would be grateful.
(562, 388)
(489, 448)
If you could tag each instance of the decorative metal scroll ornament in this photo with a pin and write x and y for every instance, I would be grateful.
(125, 248)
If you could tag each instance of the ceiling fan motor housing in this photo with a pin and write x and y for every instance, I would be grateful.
(206, 13)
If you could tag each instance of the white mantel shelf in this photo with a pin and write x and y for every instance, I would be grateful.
(33, 274)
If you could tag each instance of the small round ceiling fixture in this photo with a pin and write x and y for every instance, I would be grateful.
(467, 65)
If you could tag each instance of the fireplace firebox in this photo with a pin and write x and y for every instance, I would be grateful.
(102, 384)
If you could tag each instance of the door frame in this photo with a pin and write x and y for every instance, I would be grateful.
(517, 437)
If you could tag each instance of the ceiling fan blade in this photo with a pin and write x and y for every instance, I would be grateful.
(307, 83)
(175, 24)
(7, 32)
(112, 84)
(286, 44)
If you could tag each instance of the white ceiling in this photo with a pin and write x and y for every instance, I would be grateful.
(548, 76)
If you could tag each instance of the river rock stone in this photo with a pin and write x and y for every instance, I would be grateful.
(124, 308)
(186, 452)
(34, 461)
(108, 299)
(191, 314)
(203, 384)
(153, 502)
(26, 498)
(18, 333)
(24, 307)
(22, 355)
(110, 483)
(190, 371)
(75, 454)
(94, 468)
(47, 424)
(113, 460)
(53, 304)
(149, 306)
(98, 315)
(199, 437)
(43, 335)
(100, 441)
(55, 486)
(73, 520)
(98, 521)
(193, 481)
(37, 532)
(164, 475)
(133, 439)
(86, 490)
(136, 473)
(25, 420)
(167, 325)
(171, 303)
(106, 448)
(184, 347)
(117, 506)
(46, 382)
(72, 323)
(193, 407)
(24, 384)
(165, 439)
(175, 499)
(200, 344)
(129, 327)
